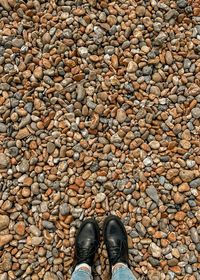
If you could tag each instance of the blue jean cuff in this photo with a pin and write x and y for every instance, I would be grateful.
(81, 274)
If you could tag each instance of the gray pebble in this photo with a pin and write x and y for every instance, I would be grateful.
(196, 113)
(194, 235)
(140, 229)
(35, 230)
(101, 179)
(13, 151)
(3, 127)
(29, 107)
(195, 183)
(152, 193)
(8, 67)
(25, 120)
(18, 43)
(50, 147)
(182, 3)
(48, 225)
(64, 209)
(153, 261)
(148, 161)
(147, 70)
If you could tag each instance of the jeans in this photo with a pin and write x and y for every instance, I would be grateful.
(121, 273)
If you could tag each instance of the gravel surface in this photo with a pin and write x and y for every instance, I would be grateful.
(99, 115)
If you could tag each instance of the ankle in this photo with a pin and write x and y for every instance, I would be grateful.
(117, 265)
(83, 266)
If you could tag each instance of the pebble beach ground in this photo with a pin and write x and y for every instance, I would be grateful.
(99, 115)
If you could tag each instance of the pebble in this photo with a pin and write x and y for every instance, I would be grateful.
(23, 166)
(155, 250)
(48, 225)
(194, 235)
(22, 133)
(35, 230)
(4, 222)
(64, 209)
(121, 115)
(20, 228)
(152, 193)
(196, 113)
(50, 147)
(100, 197)
(195, 183)
(4, 160)
(148, 161)
(3, 128)
(50, 276)
(18, 43)
(5, 239)
(154, 145)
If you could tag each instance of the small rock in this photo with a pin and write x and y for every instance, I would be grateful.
(121, 115)
(5, 5)
(182, 3)
(169, 58)
(154, 145)
(140, 229)
(194, 235)
(100, 197)
(35, 230)
(64, 209)
(46, 38)
(5, 239)
(3, 127)
(4, 276)
(48, 225)
(50, 147)
(38, 72)
(132, 67)
(152, 193)
(148, 161)
(22, 133)
(23, 166)
(179, 216)
(50, 276)
(160, 39)
(195, 183)
(20, 228)
(155, 250)
(140, 11)
(4, 222)
(196, 113)
(4, 160)
(18, 43)
(83, 52)
(35, 241)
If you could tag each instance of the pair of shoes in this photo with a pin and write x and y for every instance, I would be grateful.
(88, 239)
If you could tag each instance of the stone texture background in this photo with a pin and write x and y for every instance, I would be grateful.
(99, 115)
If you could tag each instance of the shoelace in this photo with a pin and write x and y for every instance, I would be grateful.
(86, 253)
(117, 250)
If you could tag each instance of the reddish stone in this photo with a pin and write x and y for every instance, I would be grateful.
(179, 216)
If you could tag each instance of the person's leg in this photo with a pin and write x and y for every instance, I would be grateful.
(86, 245)
(121, 271)
(115, 238)
(82, 272)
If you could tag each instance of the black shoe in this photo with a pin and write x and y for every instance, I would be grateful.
(115, 238)
(86, 242)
